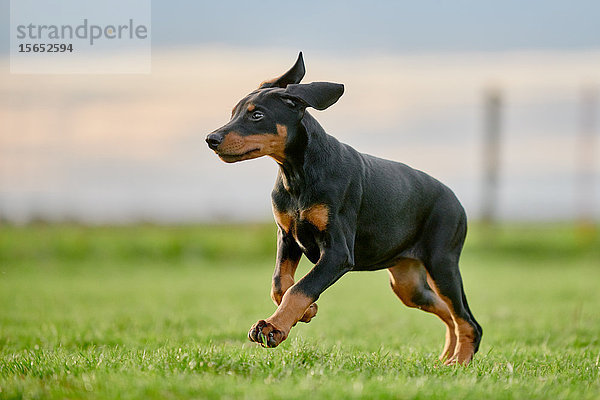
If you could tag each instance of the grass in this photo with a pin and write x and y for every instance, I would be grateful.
(162, 312)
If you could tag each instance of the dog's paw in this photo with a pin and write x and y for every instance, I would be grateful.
(310, 313)
(266, 334)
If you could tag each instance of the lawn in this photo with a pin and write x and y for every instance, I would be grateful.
(163, 312)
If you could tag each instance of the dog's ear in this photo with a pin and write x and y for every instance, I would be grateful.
(294, 75)
(318, 95)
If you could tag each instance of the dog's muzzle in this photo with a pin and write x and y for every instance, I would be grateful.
(214, 140)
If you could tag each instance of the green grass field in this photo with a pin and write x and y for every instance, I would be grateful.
(163, 312)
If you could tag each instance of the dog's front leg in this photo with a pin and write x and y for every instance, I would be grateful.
(295, 302)
(288, 257)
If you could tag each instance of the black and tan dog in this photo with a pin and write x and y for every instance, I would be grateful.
(348, 211)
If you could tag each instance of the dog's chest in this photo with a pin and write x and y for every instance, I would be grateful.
(306, 224)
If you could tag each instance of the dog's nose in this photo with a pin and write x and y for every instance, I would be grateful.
(214, 140)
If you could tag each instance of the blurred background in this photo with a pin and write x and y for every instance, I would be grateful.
(121, 233)
(499, 101)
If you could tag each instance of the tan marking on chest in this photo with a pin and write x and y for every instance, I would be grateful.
(317, 215)
(283, 219)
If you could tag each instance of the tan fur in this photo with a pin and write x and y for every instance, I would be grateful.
(406, 278)
(464, 351)
(278, 153)
(287, 270)
(283, 219)
(236, 147)
(444, 313)
(291, 310)
(317, 215)
(464, 332)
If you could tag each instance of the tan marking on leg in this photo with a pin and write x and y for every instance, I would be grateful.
(283, 219)
(317, 215)
(443, 312)
(291, 310)
(286, 282)
(406, 279)
(287, 270)
(310, 313)
(464, 348)
(463, 331)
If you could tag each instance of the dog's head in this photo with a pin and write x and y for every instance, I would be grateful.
(266, 120)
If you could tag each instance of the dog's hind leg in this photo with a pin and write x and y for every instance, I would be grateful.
(445, 232)
(409, 281)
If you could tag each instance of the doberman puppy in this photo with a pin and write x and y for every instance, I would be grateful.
(347, 211)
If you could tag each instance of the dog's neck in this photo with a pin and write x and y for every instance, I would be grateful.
(305, 154)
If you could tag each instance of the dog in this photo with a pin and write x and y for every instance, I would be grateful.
(347, 211)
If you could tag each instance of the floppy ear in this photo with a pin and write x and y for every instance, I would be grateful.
(318, 95)
(294, 75)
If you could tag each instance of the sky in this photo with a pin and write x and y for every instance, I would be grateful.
(385, 26)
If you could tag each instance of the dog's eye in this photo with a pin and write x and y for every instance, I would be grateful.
(256, 115)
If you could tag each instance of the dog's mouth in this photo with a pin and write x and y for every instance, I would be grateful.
(231, 158)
